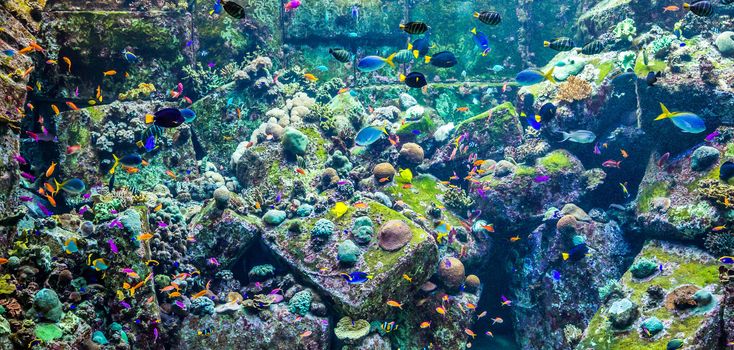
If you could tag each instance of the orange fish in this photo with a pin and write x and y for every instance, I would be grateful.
(514, 239)
(99, 93)
(305, 334)
(478, 162)
(68, 63)
(489, 228)
(55, 109)
(470, 332)
(167, 288)
(361, 205)
(3, 261)
(394, 303)
(239, 114)
(203, 292)
(25, 50)
(718, 228)
(109, 73)
(342, 90)
(144, 237)
(130, 170)
(158, 207)
(407, 186)
(257, 205)
(624, 153)
(300, 171)
(425, 324)
(27, 71)
(171, 174)
(72, 106)
(49, 188)
(441, 310)
(35, 46)
(384, 179)
(51, 200)
(50, 169)
(462, 109)
(471, 306)
(671, 8)
(174, 295)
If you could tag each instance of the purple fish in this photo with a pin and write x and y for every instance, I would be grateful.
(76, 92)
(211, 64)
(162, 224)
(710, 137)
(113, 211)
(87, 195)
(83, 210)
(155, 334)
(18, 158)
(25, 198)
(278, 197)
(416, 132)
(214, 261)
(113, 246)
(597, 150)
(189, 43)
(125, 305)
(481, 193)
(115, 223)
(447, 262)
(541, 178)
(180, 304)
(28, 176)
(44, 209)
(342, 182)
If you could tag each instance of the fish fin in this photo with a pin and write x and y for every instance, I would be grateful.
(476, 14)
(115, 164)
(385, 131)
(565, 256)
(410, 46)
(666, 113)
(149, 118)
(402, 26)
(549, 75)
(566, 136)
(427, 59)
(416, 53)
(546, 43)
(474, 30)
(390, 58)
(401, 78)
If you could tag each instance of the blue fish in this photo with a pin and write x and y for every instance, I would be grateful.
(188, 115)
(726, 260)
(556, 275)
(373, 63)
(420, 46)
(686, 121)
(70, 246)
(533, 76)
(498, 68)
(368, 135)
(416, 132)
(356, 277)
(217, 8)
(355, 12)
(322, 68)
(533, 122)
(129, 56)
(73, 186)
(150, 143)
(99, 264)
(9, 53)
(576, 253)
(481, 40)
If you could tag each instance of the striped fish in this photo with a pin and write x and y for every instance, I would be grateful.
(340, 55)
(403, 56)
(592, 48)
(560, 44)
(489, 17)
(414, 27)
(233, 9)
(701, 8)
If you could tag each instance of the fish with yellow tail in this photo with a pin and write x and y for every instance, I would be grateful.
(686, 121)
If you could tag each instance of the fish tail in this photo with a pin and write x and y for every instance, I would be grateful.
(666, 113)
(565, 256)
(401, 77)
(566, 136)
(58, 185)
(402, 26)
(474, 30)
(410, 46)
(427, 59)
(416, 53)
(149, 118)
(549, 75)
(115, 164)
(476, 14)
(546, 43)
(686, 5)
(390, 58)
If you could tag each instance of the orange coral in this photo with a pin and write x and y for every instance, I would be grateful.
(574, 89)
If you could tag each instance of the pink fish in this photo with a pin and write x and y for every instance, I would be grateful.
(597, 150)
(113, 211)
(453, 153)
(214, 261)
(292, 5)
(125, 305)
(115, 223)
(541, 178)
(162, 224)
(611, 163)
(113, 246)
(155, 334)
(83, 210)
(663, 159)
(18, 158)
(126, 270)
(28, 176)
(180, 304)
(25, 198)
(710, 137)
(76, 92)
(44, 209)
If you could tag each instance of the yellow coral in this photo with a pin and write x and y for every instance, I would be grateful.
(143, 89)
(5, 286)
(574, 89)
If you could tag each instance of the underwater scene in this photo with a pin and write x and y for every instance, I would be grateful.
(367, 174)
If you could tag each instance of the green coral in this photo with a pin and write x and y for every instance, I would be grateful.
(323, 229)
(346, 329)
(340, 163)
(644, 268)
(348, 253)
(143, 90)
(48, 332)
(646, 195)
(260, 272)
(625, 30)
(556, 161)
(363, 230)
(103, 211)
(294, 142)
(300, 303)
(5, 286)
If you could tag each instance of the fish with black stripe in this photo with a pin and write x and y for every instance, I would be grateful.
(492, 18)
(233, 9)
(414, 27)
(340, 55)
(592, 48)
(701, 8)
(560, 44)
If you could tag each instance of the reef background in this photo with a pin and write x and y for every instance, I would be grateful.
(258, 121)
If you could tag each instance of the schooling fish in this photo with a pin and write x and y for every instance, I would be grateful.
(686, 121)
(481, 41)
(233, 9)
(414, 79)
(560, 44)
(701, 8)
(74, 185)
(420, 47)
(373, 63)
(356, 277)
(592, 48)
(368, 135)
(492, 18)
(443, 59)
(533, 76)
(414, 27)
(579, 136)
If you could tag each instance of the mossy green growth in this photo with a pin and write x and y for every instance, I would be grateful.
(425, 125)
(656, 189)
(684, 267)
(555, 161)
(604, 69)
(524, 170)
(48, 331)
(319, 142)
(5, 286)
(425, 190)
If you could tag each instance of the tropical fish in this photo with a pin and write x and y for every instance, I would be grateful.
(340, 55)
(70, 246)
(489, 17)
(292, 5)
(406, 175)
(414, 27)
(671, 8)
(718, 228)
(216, 9)
(368, 135)
(130, 160)
(305, 334)
(73, 185)
(624, 189)
(497, 320)
(560, 44)
(470, 333)
(144, 237)
(556, 275)
(541, 178)
(425, 324)
(576, 253)
(701, 8)
(414, 80)
(611, 163)
(72, 106)
(109, 73)
(310, 77)
(55, 109)
(51, 169)
(394, 303)
(505, 301)
(592, 48)
(712, 136)
(68, 63)
(686, 121)
(356, 277)
(481, 41)
(652, 78)
(113, 246)
(532, 76)
(403, 56)
(547, 111)
(441, 310)
(579, 136)
(389, 326)
(726, 171)
(233, 9)
(373, 63)
(443, 59)
(339, 209)
(420, 47)
(99, 264)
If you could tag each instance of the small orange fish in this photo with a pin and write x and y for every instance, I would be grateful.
(310, 77)
(55, 109)
(25, 50)
(441, 310)
(239, 114)
(171, 174)
(384, 179)
(305, 334)
(49, 188)
(51, 62)
(624, 153)
(130, 170)
(50, 169)
(478, 162)
(127, 75)
(718, 228)
(28, 71)
(29, 88)
(144, 237)
(425, 324)
(51, 200)
(671, 8)
(158, 207)
(361, 205)
(3, 261)
(342, 90)
(300, 171)
(407, 278)
(174, 295)
(109, 73)
(514, 239)
(167, 288)
(462, 109)
(470, 306)
(35, 46)
(489, 228)
(72, 106)
(407, 186)
(68, 63)
(470, 333)
(394, 303)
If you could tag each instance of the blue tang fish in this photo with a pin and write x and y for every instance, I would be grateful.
(481, 40)
(533, 76)
(576, 253)
(217, 8)
(420, 47)
(129, 56)
(368, 135)
(356, 277)
(686, 121)
(373, 63)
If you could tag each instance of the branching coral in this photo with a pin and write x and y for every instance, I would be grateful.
(717, 192)
(574, 89)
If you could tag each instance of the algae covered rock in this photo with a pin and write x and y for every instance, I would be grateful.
(703, 157)
(274, 217)
(644, 268)
(294, 142)
(348, 252)
(623, 313)
(224, 235)
(652, 326)
(46, 303)
(451, 272)
(322, 230)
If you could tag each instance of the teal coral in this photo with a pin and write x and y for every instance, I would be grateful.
(348, 253)
(323, 229)
(644, 268)
(261, 272)
(625, 30)
(300, 303)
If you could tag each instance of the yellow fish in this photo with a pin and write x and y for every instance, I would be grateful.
(310, 77)
(56, 109)
(406, 176)
(339, 209)
(109, 73)
(394, 303)
(407, 278)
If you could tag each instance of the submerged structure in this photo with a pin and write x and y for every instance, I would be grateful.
(186, 174)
